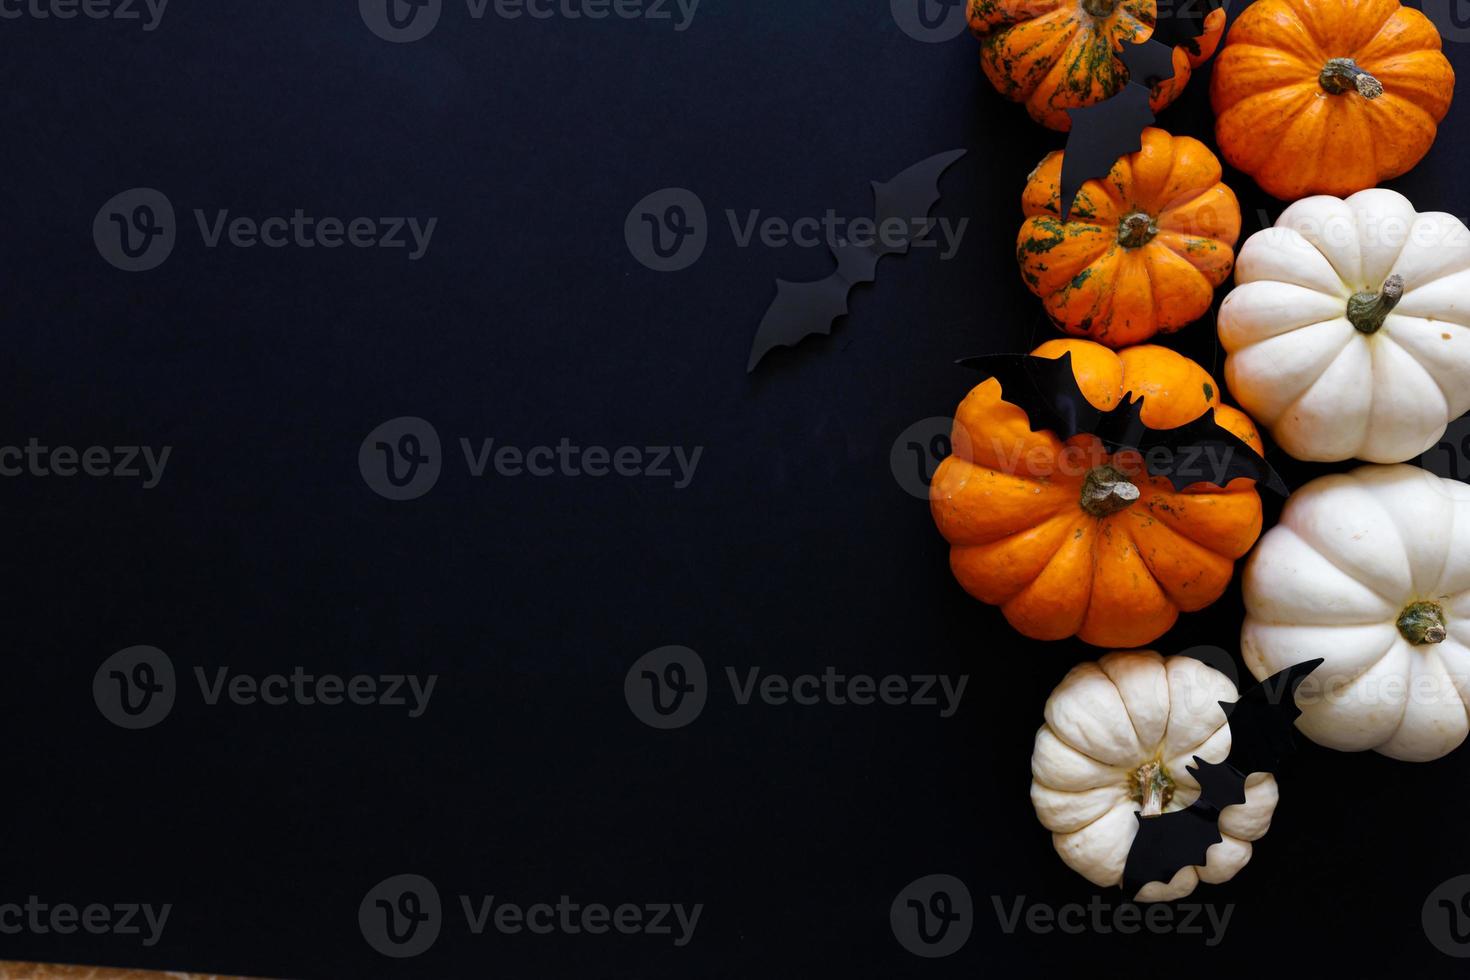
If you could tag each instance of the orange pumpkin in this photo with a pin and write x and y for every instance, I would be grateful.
(1068, 539)
(1056, 55)
(1141, 252)
(1329, 96)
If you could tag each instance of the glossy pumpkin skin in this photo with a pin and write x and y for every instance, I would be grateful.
(1299, 131)
(1010, 503)
(1141, 252)
(1055, 55)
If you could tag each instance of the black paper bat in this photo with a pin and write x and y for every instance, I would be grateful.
(1201, 451)
(1261, 724)
(1113, 128)
(802, 309)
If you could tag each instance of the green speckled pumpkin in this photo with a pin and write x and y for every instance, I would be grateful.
(1143, 249)
(1056, 55)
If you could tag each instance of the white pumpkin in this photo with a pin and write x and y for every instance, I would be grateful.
(1118, 737)
(1369, 570)
(1349, 332)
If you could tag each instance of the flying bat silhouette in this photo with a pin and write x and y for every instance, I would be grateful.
(802, 309)
(1201, 451)
(1113, 128)
(1261, 724)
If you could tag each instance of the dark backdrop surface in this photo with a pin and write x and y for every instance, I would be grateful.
(794, 548)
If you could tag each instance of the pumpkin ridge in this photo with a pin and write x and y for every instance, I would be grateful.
(1180, 596)
(1392, 14)
(1161, 506)
(1051, 42)
(1387, 340)
(1313, 542)
(1327, 369)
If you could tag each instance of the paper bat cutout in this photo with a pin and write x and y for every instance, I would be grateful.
(1202, 451)
(1261, 723)
(1113, 128)
(802, 309)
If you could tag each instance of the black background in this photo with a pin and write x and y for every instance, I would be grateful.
(528, 320)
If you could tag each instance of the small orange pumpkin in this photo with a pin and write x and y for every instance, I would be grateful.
(1141, 252)
(1068, 539)
(1056, 55)
(1329, 96)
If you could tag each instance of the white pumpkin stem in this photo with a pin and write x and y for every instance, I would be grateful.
(1342, 75)
(1152, 784)
(1422, 623)
(1107, 490)
(1367, 311)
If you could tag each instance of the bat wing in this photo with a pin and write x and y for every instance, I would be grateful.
(1202, 451)
(908, 198)
(1044, 388)
(1168, 842)
(1184, 23)
(1263, 719)
(803, 309)
(799, 310)
(1150, 62)
(1182, 839)
(1101, 134)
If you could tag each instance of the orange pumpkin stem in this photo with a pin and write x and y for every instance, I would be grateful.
(1342, 75)
(1107, 490)
(1137, 230)
(1100, 8)
(1422, 623)
(1367, 311)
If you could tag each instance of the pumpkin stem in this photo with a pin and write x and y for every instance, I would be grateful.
(1343, 74)
(1107, 490)
(1136, 230)
(1422, 623)
(1367, 311)
(1100, 8)
(1154, 788)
